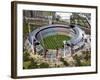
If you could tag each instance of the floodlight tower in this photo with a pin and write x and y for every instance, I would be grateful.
(64, 42)
(50, 19)
(35, 43)
(34, 46)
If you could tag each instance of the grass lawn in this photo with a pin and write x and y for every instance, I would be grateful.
(54, 41)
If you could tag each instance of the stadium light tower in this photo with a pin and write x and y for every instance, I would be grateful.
(50, 19)
(64, 47)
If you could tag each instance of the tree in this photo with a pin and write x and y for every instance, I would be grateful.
(64, 62)
(25, 56)
(77, 60)
(44, 65)
(58, 17)
(33, 64)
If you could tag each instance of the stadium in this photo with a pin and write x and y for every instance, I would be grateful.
(53, 40)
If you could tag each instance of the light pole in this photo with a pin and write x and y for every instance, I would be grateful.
(72, 50)
(64, 42)
(50, 19)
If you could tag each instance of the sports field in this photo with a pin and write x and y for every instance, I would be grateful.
(54, 41)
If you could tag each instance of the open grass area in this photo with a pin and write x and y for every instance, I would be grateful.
(54, 41)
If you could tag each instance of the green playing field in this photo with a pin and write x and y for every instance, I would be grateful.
(54, 41)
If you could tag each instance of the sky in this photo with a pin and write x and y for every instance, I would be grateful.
(64, 15)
